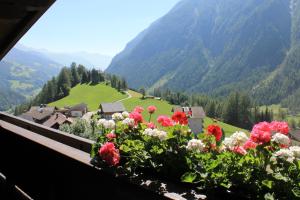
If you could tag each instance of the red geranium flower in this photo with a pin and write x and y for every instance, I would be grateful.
(109, 154)
(180, 117)
(151, 109)
(216, 131)
(165, 121)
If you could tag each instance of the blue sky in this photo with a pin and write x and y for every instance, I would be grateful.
(100, 26)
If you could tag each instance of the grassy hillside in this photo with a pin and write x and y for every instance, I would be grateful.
(94, 95)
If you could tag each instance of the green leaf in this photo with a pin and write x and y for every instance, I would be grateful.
(269, 196)
(267, 183)
(155, 149)
(226, 185)
(188, 177)
(296, 191)
(125, 148)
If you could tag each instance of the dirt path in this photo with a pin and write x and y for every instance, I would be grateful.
(129, 96)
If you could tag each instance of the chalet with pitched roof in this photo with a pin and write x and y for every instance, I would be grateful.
(108, 109)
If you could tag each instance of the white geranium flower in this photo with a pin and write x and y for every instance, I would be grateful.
(128, 122)
(125, 114)
(110, 124)
(101, 122)
(148, 131)
(228, 143)
(195, 145)
(162, 135)
(285, 154)
(117, 117)
(239, 138)
(296, 151)
(281, 139)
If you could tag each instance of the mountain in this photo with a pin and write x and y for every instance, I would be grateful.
(89, 60)
(216, 46)
(23, 73)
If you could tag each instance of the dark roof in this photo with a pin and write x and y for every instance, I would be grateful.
(197, 112)
(27, 117)
(57, 118)
(40, 113)
(79, 107)
(16, 18)
(112, 107)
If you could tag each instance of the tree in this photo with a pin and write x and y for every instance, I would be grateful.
(124, 85)
(231, 113)
(75, 75)
(64, 81)
(94, 76)
(85, 78)
(210, 109)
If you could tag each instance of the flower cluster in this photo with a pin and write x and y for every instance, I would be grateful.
(128, 122)
(162, 135)
(180, 117)
(117, 116)
(236, 142)
(262, 132)
(108, 124)
(195, 145)
(137, 117)
(110, 154)
(209, 159)
(165, 121)
(216, 131)
(281, 139)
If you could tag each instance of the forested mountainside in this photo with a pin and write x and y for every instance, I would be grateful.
(216, 46)
(22, 76)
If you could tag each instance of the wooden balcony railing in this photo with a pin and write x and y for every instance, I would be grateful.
(41, 163)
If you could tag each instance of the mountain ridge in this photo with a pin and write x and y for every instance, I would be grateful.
(214, 47)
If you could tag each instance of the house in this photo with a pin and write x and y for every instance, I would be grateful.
(56, 120)
(108, 109)
(196, 116)
(39, 114)
(77, 110)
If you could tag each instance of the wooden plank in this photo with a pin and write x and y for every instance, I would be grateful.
(65, 138)
(71, 152)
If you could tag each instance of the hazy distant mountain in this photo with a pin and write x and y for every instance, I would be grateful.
(23, 73)
(216, 46)
(89, 60)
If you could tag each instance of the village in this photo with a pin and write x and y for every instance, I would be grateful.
(54, 117)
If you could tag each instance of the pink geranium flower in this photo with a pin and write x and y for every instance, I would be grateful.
(280, 127)
(111, 136)
(151, 109)
(136, 116)
(240, 150)
(110, 154)
(261, 133)
(151, 125)
(249, 144)
(165, 121)
(138, 109)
